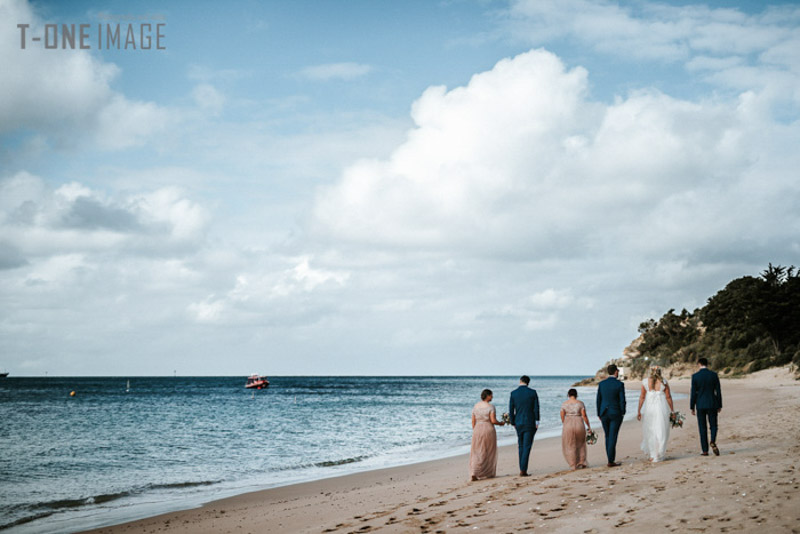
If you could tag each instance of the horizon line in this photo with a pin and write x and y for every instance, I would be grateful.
(300, 376)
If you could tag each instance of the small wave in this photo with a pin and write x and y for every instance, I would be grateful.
(26, 519)
(332, 463)
(108, 497)
(46, 509)
(324, 463)
(75, 503)
(178, 485)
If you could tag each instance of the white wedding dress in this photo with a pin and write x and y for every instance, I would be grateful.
(655, 421)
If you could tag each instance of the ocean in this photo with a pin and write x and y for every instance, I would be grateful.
(109, 454)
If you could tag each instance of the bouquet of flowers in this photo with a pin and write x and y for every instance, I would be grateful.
(506, 419)
(591, 437)
(676, 419)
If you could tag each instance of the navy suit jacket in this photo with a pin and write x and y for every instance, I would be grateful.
(611, 398)
(523, 408)
(706, 392)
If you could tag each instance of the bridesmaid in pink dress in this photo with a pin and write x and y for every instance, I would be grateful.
(573, 433)
(483, 454)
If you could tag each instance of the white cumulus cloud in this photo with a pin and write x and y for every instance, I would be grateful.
(37, 220)
(521, 162)
(736, 49)
(272, 293)
(65, 94)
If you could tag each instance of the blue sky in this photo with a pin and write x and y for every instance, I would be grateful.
(464, 187)
(266, 43)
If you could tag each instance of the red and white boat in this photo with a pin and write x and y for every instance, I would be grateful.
(256, 382)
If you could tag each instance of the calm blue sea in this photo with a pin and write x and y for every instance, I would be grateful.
(106, 455)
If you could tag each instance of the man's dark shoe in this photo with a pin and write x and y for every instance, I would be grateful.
(703, 454)
(523, 474)
(715, 449)
(614, 464)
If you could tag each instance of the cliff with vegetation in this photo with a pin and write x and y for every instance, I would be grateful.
(751, 324)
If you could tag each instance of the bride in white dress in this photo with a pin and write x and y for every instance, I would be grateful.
(655, 407)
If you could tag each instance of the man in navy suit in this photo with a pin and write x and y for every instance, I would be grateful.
(706, 402)
(523, 414)
(611, 410)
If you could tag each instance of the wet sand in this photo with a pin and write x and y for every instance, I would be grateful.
(753, 486)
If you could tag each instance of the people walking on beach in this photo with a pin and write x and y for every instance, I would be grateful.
(523, 414)
(705, 401)
(655, 407)
(611, 410)
(483, 453)
(573, 432)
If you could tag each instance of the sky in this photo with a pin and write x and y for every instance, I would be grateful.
(385, 187)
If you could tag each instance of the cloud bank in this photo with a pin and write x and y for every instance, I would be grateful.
(529, 216)
(522, 163)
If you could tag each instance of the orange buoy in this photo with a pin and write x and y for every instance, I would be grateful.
(71, 393)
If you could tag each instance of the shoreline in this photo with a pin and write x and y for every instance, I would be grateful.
(206, 443)
(436, 495)
(456, 454)
(399, 474)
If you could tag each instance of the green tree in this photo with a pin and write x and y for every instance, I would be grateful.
(750, 324)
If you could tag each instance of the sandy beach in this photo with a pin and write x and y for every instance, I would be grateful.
(754, 485)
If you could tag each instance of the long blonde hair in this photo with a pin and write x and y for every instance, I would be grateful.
(655, 375)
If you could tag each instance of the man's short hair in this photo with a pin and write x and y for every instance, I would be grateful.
(611, 369)
(703, 361)
(525, 379)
